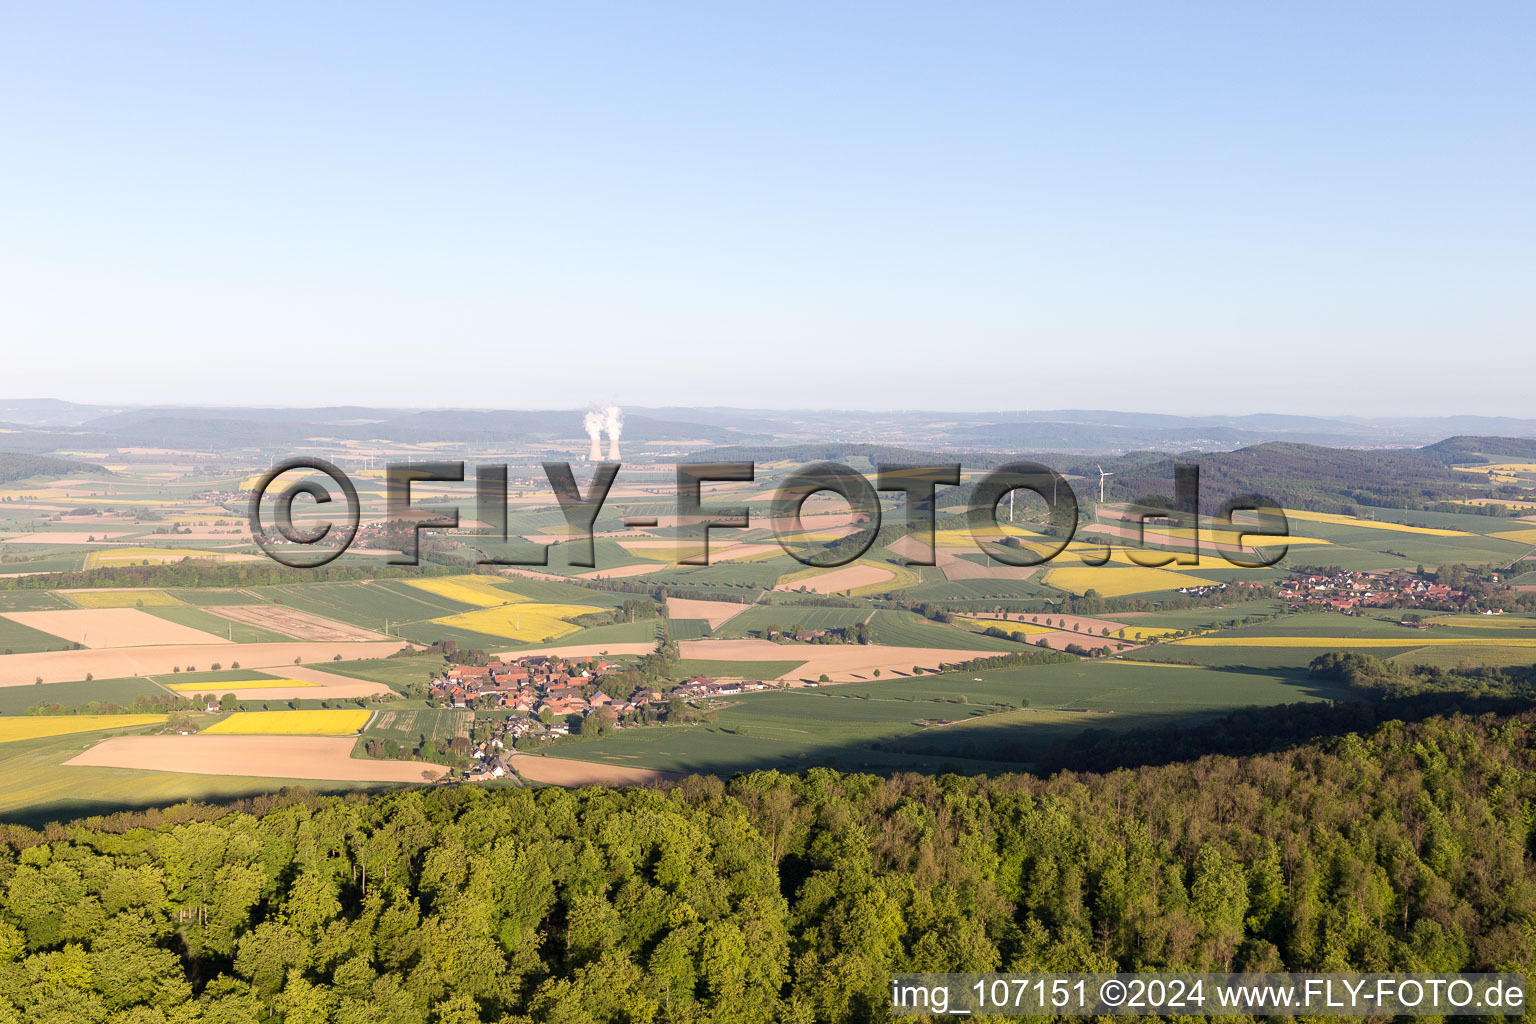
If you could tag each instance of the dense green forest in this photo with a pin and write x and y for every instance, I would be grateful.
(773, 897)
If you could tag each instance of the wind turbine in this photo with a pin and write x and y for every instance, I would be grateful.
(1102, 476)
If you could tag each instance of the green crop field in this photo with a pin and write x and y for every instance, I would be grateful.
(907, 629)
(688, 629)
(398, 673)
(754, 620)
(410, 725)
(239, 632)
(18, 639)
(31, 601)
(841, 724)
(14, 700)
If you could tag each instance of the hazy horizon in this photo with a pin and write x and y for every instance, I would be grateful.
(871, 206)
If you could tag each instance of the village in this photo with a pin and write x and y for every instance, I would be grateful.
(549, 699)
(1349, 592)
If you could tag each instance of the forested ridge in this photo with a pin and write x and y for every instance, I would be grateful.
(774, 897)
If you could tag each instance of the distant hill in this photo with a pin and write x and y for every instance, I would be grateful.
(1306, 476)
(1471, 451)
(19, 466)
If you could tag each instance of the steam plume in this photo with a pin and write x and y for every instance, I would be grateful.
(613, 418)
(594, 425)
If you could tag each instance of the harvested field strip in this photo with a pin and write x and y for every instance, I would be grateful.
(113, 627)
(36, 726)
(287, 757)
(318, 722)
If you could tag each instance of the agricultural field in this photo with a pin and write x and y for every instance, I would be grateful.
(410, 726)
(314, 722)
(710, 668)
(34, 727)
(897, 721)
(759, 617)
(522, 622)
(121, 599)
(905, 629)
(480, 591)
(1118, 581)
(876, 725)
(251, 682)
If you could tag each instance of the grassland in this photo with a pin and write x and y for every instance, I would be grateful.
(314, 722)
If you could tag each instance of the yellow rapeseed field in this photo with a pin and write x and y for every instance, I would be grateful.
(1010, 625)
(476, 590)
(236, 685)
(123, 599)
(1518, 536)
(1338, 520)
(318, 722)
(36, 726)
(1116, 581)
(526, 623)
(133, 556)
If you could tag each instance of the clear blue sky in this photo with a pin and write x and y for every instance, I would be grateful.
(1189, 208)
